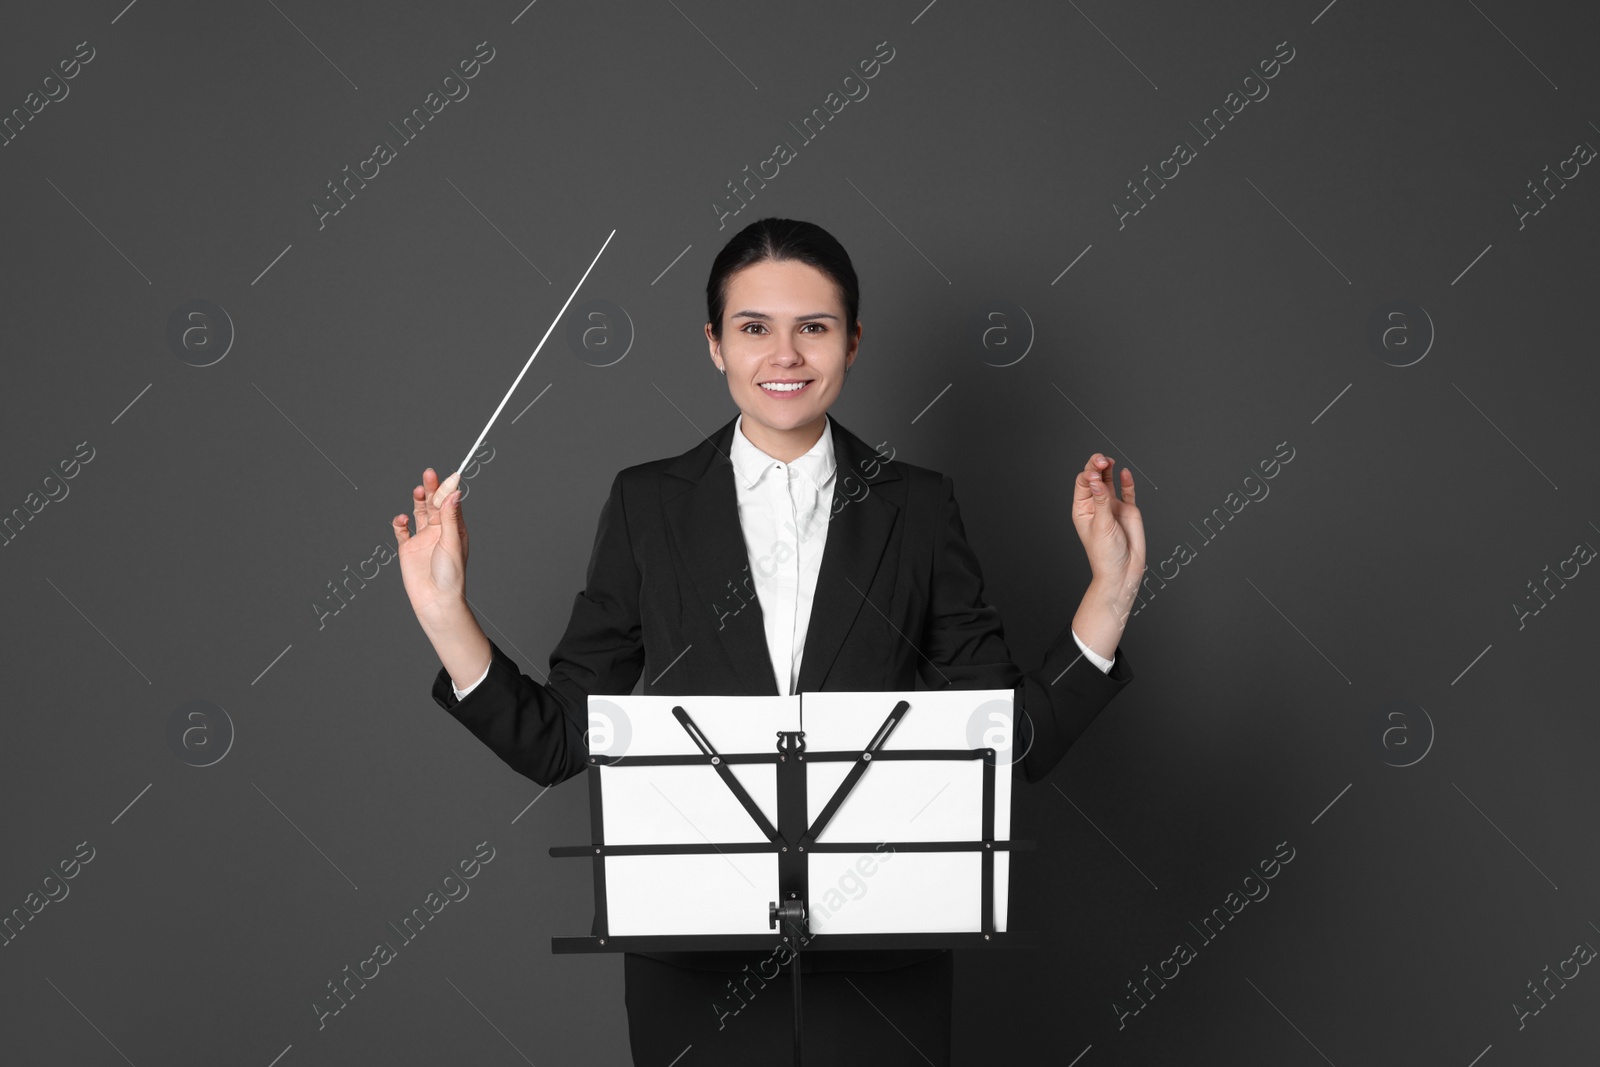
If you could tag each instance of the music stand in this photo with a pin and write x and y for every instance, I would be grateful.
(683, 790)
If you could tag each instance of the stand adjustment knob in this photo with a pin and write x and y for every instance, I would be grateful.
(791, 911)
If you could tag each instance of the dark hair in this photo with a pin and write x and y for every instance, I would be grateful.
(780, 239)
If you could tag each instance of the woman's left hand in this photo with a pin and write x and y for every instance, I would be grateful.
(1112, 530)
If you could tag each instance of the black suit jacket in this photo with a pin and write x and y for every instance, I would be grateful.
(669, 594)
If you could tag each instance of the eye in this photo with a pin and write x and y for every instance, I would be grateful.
(820, 327)
(745, 328)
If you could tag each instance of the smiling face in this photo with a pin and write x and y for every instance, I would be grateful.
(783, 322)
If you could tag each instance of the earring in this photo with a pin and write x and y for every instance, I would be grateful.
(722, 370)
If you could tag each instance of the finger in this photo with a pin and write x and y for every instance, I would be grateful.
(1083, 485)
(450, 522)
(402, 531)
(420, 508)
(1135, 528)
(426, 509)
(444, 489)
(1106, 505)
(1127, 486)
(1097, 476)
(1108, 477)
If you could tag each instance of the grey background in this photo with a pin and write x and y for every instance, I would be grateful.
(1380, 575)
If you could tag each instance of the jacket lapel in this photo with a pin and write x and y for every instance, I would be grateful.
(704, 521)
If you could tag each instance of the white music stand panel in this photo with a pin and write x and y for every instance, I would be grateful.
(909, 800)
(643, 805)
(709, 894)
(911, 892)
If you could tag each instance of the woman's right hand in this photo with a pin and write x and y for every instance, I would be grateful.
(433, 561)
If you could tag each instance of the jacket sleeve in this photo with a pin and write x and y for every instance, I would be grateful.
(538, 729)
(964, 647)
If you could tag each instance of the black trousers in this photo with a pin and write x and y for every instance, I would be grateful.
(866, 1018)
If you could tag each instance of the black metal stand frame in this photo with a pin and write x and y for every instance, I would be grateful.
(791, 839)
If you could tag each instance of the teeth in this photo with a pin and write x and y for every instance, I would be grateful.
(778, 387)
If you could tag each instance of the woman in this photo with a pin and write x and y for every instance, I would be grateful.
(784, 503)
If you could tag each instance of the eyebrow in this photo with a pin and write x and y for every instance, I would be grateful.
(798, 318)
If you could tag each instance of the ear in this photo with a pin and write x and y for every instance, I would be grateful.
(713, 346)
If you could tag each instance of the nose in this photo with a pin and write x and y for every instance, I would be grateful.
(785, 354)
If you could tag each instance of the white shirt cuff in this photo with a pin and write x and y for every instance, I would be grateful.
(1093, 656)
(463, 692)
